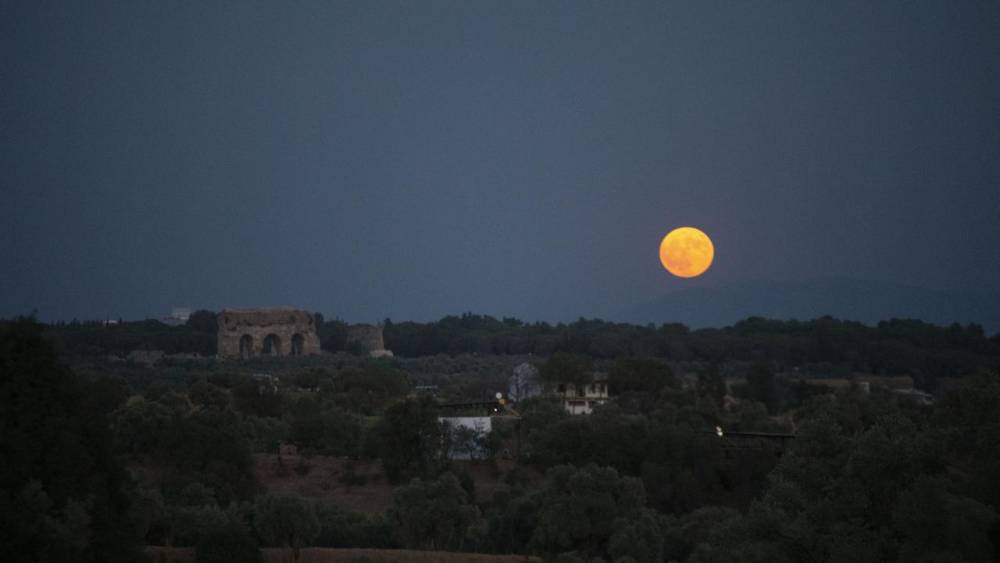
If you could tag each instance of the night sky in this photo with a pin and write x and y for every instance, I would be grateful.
(417, 159)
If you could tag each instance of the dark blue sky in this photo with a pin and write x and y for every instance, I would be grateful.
(414, 159)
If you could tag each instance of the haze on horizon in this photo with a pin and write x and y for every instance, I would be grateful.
(412, 160)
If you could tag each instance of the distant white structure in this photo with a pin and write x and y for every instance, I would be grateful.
(524, 383)
(178, 316)
(582, 399)
(916, 395)
(467, 436)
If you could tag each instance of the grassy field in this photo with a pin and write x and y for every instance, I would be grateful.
(161, 554)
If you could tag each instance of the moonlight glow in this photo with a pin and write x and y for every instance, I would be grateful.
(686, 252)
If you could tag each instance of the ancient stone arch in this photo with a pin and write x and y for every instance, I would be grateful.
(246, 346)
(247, 333)
(298, 343)
(271, 345)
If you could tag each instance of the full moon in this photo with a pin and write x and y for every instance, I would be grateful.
(686, 252)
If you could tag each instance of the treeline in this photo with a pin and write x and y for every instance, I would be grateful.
(823, 346)
(827, 345)
(892, 347)
(77, 339)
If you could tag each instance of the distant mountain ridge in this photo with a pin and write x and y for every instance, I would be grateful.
(849, 299)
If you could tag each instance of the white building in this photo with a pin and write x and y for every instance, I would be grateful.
(178, 316)
(584, 398)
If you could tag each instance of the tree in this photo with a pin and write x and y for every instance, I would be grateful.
(107, 393)
(510, 520)
(63, 493)
(433, 515)
(310, 379)
(699, 527)
(640, 540)
(582, 509)
(762, 387)
(563, 367)
(209, 446)
(938, 525)
(712, 385)
(606, 438)
(340, 527)
(142, 427)
(228, 543)
(285, 521)
(208, 396)
(187, 525)
(203, 321)
(409, 439)
(640, 375)
(538, 415)
(330, 431)
(969, 421)
(368, 389)
(257, 397)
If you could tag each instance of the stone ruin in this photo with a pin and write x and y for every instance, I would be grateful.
(367, 339)
(248, 333)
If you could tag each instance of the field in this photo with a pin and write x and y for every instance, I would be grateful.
(322, 478)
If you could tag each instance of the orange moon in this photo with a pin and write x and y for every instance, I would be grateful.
(686, 252)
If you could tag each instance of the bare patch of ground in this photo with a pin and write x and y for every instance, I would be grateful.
(324, 478)
(160, 554)
(360, 485)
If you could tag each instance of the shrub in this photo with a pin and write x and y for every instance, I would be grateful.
(229, 543)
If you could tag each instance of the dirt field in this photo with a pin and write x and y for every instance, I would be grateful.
(329, 555)
(322, 480)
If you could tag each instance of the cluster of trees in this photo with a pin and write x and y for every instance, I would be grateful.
(589, 511)
(870, 476)
(869, 481)
(235, 532)
(100, 339)
(64, 495)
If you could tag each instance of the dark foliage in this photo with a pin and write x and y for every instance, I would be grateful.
(408, 440)
(870, 476)
(95, 339)
(228, 543)
(925, 351)
(63, 493)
